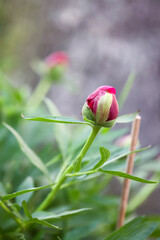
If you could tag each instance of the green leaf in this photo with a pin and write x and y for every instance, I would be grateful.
(56, 119)
(44, 223)
(114, 173)
(125, 155)
(26, 184)
(125, 175)
(35, 160)
(15, 194)
(26, 210)
(105, 154)
(124, 94)
(42, 215)
(140, 197)
(61, 133)
(137, 229)
(127, 118)
(83, 231)
(81, 173)
(13, 236)
(35, 219)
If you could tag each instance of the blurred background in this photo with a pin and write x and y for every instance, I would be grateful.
(106, 41)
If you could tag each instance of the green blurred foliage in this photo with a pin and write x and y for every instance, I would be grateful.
(85, 207)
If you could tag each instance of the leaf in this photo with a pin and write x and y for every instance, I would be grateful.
(56, 119)
(60, 131)
(13, 236)
(82, 232)
(26, 184)
(42, 215)
(127, 87)
(125, 175)
(2, 189)
(114, 173)
(137, 229)
(124, 155)
(35, 160)
(26, 210)
(15, 194)
(81, 173)
(105, 154)
(36, 220)
(127, 118)
(44, 223)
(140, 197)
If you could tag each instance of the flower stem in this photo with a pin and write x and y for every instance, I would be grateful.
(39, 93)
(74, 166)
(77, 163)
(16, 219)
(54, 190)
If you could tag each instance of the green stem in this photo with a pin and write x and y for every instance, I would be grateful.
(74, 166)
(77, 163)
(39, 93)
(16, 219)
(54, 190)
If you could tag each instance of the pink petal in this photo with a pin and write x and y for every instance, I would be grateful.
(109, 89)
(57, 58)
(113, 110)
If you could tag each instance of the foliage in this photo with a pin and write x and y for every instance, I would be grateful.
(42, 196)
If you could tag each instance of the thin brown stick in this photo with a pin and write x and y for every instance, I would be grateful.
(129, 170)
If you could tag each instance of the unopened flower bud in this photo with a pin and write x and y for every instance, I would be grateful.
(57, 58)
(101, 107)
(56, 64)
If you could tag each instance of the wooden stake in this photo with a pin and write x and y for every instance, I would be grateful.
(129, 170)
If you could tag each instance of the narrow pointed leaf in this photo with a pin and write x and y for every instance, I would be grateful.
(56, 119)
(26, 184)
(60, 130)
(26, 210)
(124, 155)
(127, 118)
(105, 154)
(35, 219)
(15, 194)
(13, 236)
(140, 197)
(81, 173)
(29, 152)
(42, 215)
(137, 229)
(126, 89)
(44, 223)
(125, 175)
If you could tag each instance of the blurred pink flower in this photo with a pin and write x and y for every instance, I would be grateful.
(57, 58)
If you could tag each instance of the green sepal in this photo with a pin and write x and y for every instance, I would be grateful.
(87, 114)
(56, 73)
(108, 124)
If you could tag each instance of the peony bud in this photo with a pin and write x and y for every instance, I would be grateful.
(57, 58)
(56, 64)
(101, 107)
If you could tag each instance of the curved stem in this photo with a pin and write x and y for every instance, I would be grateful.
(77, 163)
(74, 166)
(39, 93)
(17, 220)
(54, 190)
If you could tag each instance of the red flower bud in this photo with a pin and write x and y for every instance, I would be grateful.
(57, 58)
(101, 107)
(56, 64)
